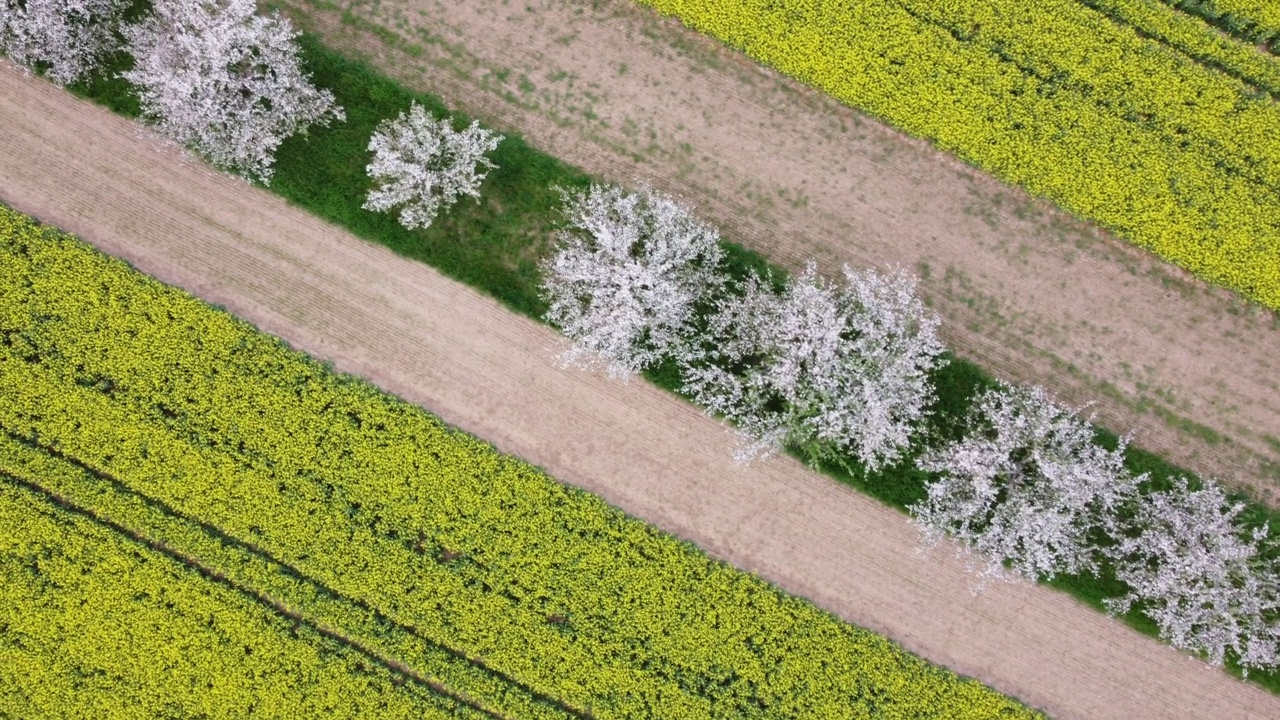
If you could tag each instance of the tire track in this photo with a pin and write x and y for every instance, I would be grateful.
(316, 592)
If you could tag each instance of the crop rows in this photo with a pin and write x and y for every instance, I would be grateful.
(1150, 18)
(1116, 70)
(1253, 20)
(94, 624)
(379, 502)
(43, 470)
(1055, 97)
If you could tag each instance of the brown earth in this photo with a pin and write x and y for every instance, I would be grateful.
(459, 354)
(1025, 290)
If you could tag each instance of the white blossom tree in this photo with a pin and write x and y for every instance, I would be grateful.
(1195, 571)
(69, 37)
(224, 81)
(627, 277)
(1028, 485)
(830, 370)
(422, 165)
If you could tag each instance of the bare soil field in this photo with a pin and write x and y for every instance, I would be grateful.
(1024, 289)
(459, 354)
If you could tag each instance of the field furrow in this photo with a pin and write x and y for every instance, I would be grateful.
(99, 622)
(1253, 20)
(83, 490)
(1186, 34)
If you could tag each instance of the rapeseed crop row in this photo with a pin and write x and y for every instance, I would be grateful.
(1107, 64)
(1057, 98)
(389, 508)
(1256, 20)
(255, 573)
(1187, 35)
(95, 625)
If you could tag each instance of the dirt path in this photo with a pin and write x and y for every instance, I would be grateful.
(461, 355)
(1031, 294)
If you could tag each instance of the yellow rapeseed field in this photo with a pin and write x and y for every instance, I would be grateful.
(1264, 14)
(195, 411)
(42, 470)
(1055, 97)
(1188, 34)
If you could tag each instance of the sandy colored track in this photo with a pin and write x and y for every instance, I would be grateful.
(1030, 293)
(461, 355)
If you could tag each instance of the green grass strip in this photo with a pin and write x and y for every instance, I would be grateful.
(383, 503)
(494, 246)
(95, 624)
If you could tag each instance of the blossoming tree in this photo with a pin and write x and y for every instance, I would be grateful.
(1028, 485)
(629, 273)
(830, 370)
(224, 81)
(1194, 570)
(69, 38)
(422, 165)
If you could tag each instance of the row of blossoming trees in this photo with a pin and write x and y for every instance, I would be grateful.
(843, 371)
(836, 370)
(227, 83)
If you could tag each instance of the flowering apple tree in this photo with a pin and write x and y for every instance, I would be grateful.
(69, 38)
(422, 165)
(1028, 486)
(224, 81)
(627, 277)
(830, 370)
(1200, 576)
